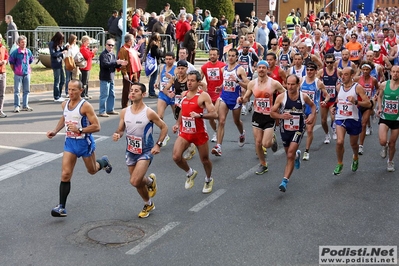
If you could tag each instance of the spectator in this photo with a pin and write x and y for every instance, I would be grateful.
(167, 13)
(131, 71)
(254, 19)
(140, 44)
(114, 16)
(136, 19)
(263, 37)
(108, 64)
(170, 30)
(73, 50)
(20, 60)
(191, 42)
(57, 53)
(160, 25)
(88, 55)
(3, 72)
(212, 34)
(13, 35)
(115, 30)
(205, 27)
(235, 27)
(223, 37)
(197, 17)
(151, 21)
(271, 22)
(273, 35)
(182, 26)
(154, 47)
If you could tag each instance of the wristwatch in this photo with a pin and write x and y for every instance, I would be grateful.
(80, 130)
(159, 143)
(201, 115)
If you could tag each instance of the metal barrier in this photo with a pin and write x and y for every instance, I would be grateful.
(90, 31)
(202, 36)
(166, 41)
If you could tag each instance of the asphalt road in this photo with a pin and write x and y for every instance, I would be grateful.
(246, 220)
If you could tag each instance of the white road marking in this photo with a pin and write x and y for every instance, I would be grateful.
(152, 238)
(208, 200)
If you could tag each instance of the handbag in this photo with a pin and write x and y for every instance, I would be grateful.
(69, 63)
(151, 65)
(80, 61)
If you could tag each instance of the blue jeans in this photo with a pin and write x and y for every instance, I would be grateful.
(68, 77)
(153, 78)
(107, 96)
(206, 40)
(23, 81)
(59, 81)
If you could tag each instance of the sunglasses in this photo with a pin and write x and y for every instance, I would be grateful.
(273, 44)
(330, 62)
(310, 69)
(109, 44)
(245, 47)
(329, 35)
(285, 44)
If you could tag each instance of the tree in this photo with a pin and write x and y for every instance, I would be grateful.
(100, 11)
(175, 5)
(28, 15)
(73, 11)
(218, 8)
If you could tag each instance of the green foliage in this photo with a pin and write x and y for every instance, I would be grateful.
(28, 15)
(67, 13)
(218, 8)
(175, 5)
(100, 11)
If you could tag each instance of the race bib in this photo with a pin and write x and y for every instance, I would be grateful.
(71, 134)
(213, 73)
(178, 99)
(134, 144)
(246, 68)
(345, 108)
(188, 125)
(354, 53)
(311, 94)
(331, 91)
(229, 85)
(262, 105)
(292, 124)
(391, 107)
(369, 92)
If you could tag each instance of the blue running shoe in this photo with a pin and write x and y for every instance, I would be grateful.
(297, 159)
(59, 211)
(108, 167)
(283, 185)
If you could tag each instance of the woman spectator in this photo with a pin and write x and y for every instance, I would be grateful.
(154, 47)
(57, 54)
(73, 49)
(236, 26)
(212, 33)
(88, 55)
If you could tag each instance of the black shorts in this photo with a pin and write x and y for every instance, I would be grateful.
(391, 124)
(291, 136)
(262, 121)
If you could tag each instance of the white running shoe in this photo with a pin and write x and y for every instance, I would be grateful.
(244, 110)
(189, 153)
(368, 131)
(384, 151)
(327, 139)
(360, 150)
(165, 141)
(305, 156)
(214, 137)
(390, 166)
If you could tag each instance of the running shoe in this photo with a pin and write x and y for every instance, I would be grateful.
(189, 152)
(27, 109)
(297, 159)
(368, 131)
(165, 141)
(361, 151)
(152, 189)
(145, 212)
(275, 144)
(16, 109)
(244, 110)
(384, 151)
(241, 139)
(390, 166)
(2, 115)
(214, 137)
(251, 106)
(334, 136)
(338, 169)
(217, 151)
(108, 167)
(355, 165)
(305, 156)
(59, 211)
(327, 139)
(208, 187)
(190, 180)
(261, 169)
(283, 185)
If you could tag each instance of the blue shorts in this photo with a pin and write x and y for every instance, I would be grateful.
(80, 147)
(231, 106)
(169, 101)
(132, 159)
(352, 126)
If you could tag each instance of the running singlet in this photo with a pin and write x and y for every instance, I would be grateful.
(191, 125)
(307, 59)
(368, 86)
(299, 73)
(214, 77)
(179, 88)
(330, 83)
(346, 109)
(340, 66)
(255, 47)
(390, 103)
(263, 97)
(74, 116)
(379, 60)
(313, 92)
(231, 89)
(295, 108)
(285, 60)
(275, 75)
(374, 73)
(164, 79)
(246, 62)
(139, 130)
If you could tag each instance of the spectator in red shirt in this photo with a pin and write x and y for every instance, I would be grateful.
(88, 54)
(136, 19)
(182, 26)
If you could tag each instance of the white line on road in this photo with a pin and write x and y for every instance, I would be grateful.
(208, 200)
(152, 238)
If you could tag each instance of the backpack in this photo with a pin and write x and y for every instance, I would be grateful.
(69, 63)
(80, 61)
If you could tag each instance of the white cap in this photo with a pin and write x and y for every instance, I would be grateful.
(308, 42)
(376, 48)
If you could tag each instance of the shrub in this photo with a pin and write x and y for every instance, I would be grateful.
(218, 8)
(73, 11)
(100, 11)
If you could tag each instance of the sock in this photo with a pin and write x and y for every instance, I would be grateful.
(355, 157)
(190, 172)
(102, 163)
(148, 202)
(65, 188)
(307, 150)
(208, 179)
(285, 179)
(149, 181)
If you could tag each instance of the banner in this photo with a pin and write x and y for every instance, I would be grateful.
(272, 5)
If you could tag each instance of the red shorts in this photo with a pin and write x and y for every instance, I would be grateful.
(198, 139)
(328, 105)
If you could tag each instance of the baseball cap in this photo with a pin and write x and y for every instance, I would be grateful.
(376, 48)
(182, 63)
(308, 42)
(360, 25)
(264, 22)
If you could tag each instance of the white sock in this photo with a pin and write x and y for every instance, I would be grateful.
(149, 181)
(208, 179)
(148, 202)
(190, 172)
